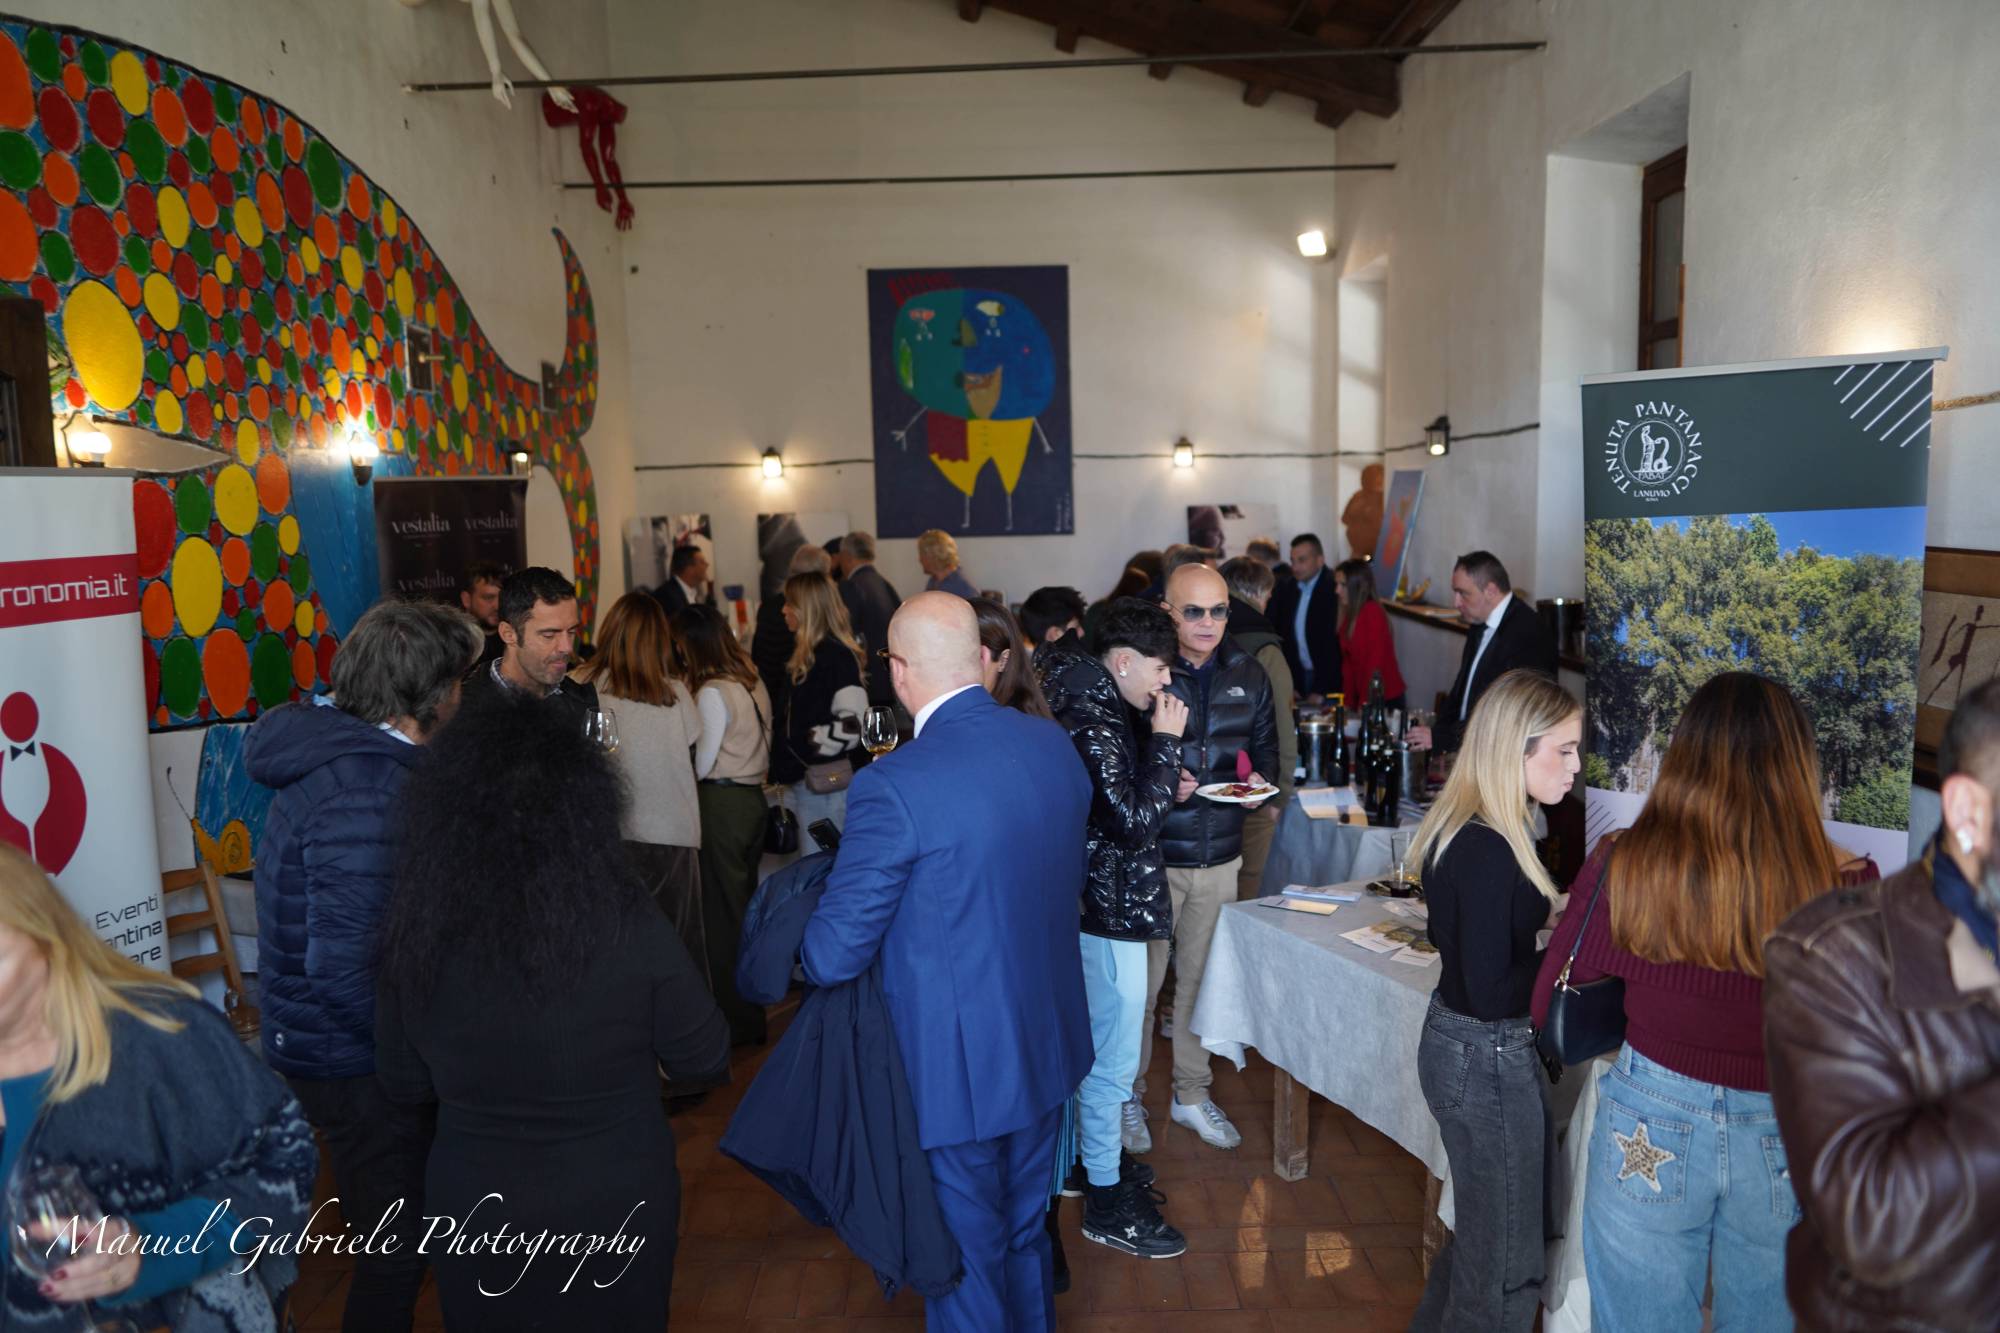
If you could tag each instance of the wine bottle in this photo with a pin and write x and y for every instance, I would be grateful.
(1337, 766)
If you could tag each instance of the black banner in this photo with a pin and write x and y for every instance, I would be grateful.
(429, 530)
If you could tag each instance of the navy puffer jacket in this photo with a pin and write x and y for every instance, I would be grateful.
(324, 871)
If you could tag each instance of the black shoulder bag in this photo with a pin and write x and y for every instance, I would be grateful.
(781, 826)
(1584, 1021)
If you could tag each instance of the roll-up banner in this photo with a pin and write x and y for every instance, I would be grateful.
(75, 776)
(1765, 518)
(429, 530)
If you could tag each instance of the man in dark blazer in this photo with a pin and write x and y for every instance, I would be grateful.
(871, 601)
(959, 870)
(687, 580)
(1506, 635)
(1307, 613)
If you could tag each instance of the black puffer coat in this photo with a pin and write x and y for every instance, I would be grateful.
(1237, 716)
(1125, 892)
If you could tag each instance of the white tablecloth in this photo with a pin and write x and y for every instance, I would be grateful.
(1311, 851)
(1345, 1022)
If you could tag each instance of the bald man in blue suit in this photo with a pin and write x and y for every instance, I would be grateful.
(961, 867)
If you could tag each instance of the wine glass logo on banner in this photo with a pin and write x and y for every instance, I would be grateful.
(42, 801)
(1656, 454)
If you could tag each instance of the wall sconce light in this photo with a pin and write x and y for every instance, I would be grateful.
(1312, 244)
(362, 451)
(519, 463)
(87, 448)
(773, 464)
(1183, 452)
(1437, 437)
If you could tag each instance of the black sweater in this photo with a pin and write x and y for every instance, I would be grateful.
(809, 730)
(1484, 915)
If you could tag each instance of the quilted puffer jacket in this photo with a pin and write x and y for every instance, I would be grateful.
(324, 869)
(1236, 715)
(1125, 893)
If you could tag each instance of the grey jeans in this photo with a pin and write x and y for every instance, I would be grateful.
(1485, 1085)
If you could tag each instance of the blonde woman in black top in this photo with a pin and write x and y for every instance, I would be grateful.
(1489, 896)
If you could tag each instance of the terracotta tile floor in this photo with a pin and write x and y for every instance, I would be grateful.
(1336, 1251)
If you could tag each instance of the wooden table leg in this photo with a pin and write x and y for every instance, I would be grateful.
(1434, 1228)
(1291, 1104)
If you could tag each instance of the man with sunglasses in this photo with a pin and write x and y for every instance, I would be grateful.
(1230, 713)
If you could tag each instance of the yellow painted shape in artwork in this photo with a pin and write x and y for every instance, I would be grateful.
(1001, 443)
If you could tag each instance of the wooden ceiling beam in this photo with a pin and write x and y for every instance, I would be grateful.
(1414, 22)
(1185, 27)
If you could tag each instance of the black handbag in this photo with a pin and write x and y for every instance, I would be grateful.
(1583, 1021)
(781, 826)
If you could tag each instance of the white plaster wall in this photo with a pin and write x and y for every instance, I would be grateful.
(1590, 314)
(1840, 199)
(477, 178)
(1191, 310)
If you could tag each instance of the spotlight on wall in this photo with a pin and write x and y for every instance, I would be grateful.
(88, 448)
(774, 464)
(1437, 437)
(362, 451)
(1183, 452)
(519, 463)
(1312, 244)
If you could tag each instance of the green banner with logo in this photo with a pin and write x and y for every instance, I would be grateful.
(1765, 518)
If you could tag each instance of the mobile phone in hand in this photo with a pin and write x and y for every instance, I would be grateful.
(825, 834)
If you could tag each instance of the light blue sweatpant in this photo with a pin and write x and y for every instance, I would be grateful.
(1114, 987)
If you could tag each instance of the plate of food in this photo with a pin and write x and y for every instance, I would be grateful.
(1237, 793)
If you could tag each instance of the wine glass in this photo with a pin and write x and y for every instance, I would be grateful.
(52, 1218)
(599, 727)
(878, 731)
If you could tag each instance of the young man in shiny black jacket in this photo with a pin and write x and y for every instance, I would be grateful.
(1230, 713)
(1126, 905)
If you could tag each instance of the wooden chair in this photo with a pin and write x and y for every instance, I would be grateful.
(242, 1014)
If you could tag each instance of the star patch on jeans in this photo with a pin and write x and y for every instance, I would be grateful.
(1643, 1158)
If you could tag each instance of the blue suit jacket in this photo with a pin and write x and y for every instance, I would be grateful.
(962, 868)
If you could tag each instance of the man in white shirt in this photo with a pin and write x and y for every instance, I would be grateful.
(1505, 635)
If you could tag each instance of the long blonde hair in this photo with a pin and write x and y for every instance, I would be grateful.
(1487, 783)
(88, 980)
(822, 616)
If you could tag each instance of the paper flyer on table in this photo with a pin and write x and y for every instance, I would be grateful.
(1386, 937)
(1294, 904)
(1328, 893)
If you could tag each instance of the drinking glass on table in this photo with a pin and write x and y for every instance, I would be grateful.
(53, 1217)
(878, 731)
(1402, 867)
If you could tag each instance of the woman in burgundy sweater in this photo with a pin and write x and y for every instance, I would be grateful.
(1687, 1174)
(1365, 644)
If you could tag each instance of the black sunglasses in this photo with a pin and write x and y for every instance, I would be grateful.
(1205, 612)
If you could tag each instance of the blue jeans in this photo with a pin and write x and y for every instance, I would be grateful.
(1708, 1185)
(1485, 1085)
(1114, 987)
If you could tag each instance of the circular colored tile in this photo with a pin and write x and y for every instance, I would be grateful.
(104, 345)
(197, 583)
(156, 610)
(167, 413)
(274, 492)
(163, 303)
(248, 442)
(61, 126)
(148, 150)
(351, 267)
(323, 169)
(192, 507)
(301, 574)
(304, 664)
(168, 116)
(173, 210)
(236, 498)
(302, 619)
(329, 647)
(17, 96)
(288, 533)
(200, 106)
(249, 221)
(153, 525)
(180, 677)
(264, 552)
(18, 250)
(20, 161)
(225, 669)
(271, 671)
(279, 604)
(298, 199)
(235, 561)
(128, 81)
(94, 239)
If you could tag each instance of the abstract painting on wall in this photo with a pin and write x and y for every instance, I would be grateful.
(969, 369)
(1399, 523)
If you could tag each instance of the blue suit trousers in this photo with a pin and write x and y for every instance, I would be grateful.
(995, 1196)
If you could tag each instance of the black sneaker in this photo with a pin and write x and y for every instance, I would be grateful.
(1126, 1218)
(1131, 1171)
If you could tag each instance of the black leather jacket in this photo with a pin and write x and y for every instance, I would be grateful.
(1125, 890)
(1237, 716)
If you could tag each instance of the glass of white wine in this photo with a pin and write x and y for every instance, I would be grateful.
(878, 731)
(599, 727)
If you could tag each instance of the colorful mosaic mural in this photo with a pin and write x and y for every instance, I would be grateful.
(215, 271)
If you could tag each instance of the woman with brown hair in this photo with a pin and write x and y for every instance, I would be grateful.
(1003, 661)
(1489, 897)
(730, 763)
(657, 728)
(1686, 1163)
(1367, 649)
(819, 727)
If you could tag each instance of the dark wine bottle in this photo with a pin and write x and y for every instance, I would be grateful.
(1337, 764)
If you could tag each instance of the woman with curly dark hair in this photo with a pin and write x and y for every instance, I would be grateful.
(532, 989)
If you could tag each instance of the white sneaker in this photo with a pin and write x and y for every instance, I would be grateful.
(1207, 1120)
(1132, 1131)
(1167, 1026)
